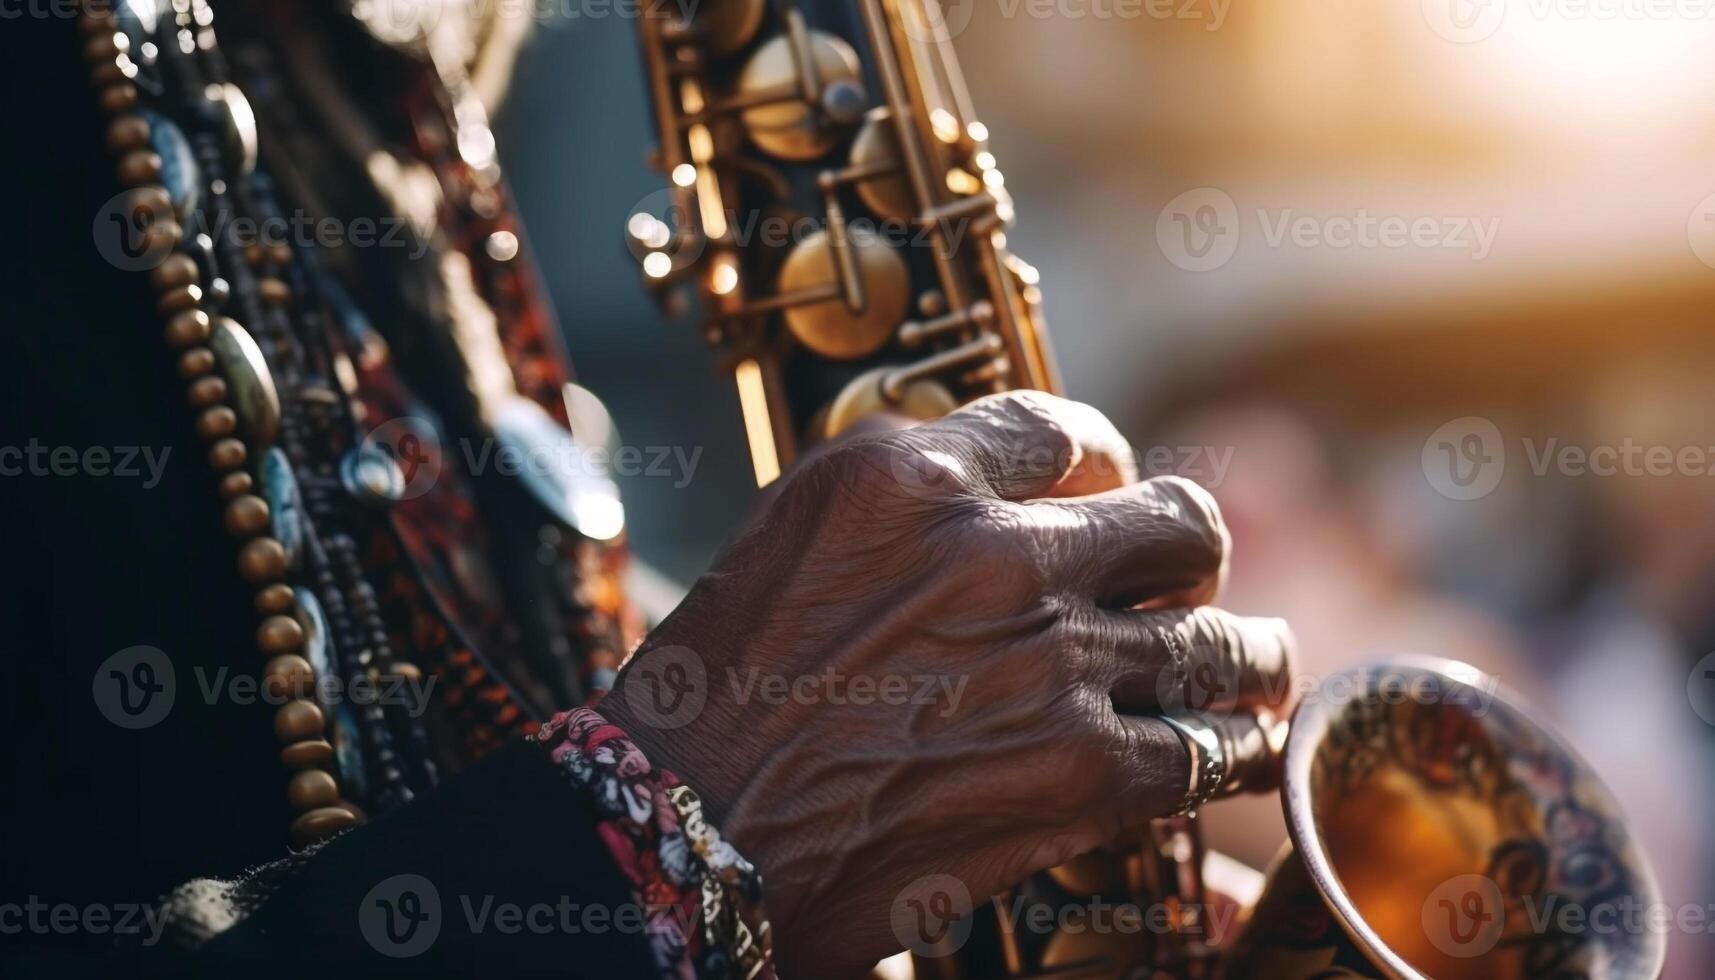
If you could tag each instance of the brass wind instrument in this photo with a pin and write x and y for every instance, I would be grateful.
(834, 207)
(859, 124)
(852, 119)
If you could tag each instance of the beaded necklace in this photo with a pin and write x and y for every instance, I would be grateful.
(282, 403)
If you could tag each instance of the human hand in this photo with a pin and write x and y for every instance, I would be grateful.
(910, 665)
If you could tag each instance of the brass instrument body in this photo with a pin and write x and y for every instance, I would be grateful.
(836, 210)
(848, 126)
(1440, 829)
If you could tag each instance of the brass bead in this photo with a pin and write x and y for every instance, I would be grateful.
(160, 236)
(207, 390)
(262, 561)
(279, 634)
(288, 675)
(298, 720)
(236, 484)
(149, 201)
(196, 362)
(127, 132)
(217, 422)
(187, 327)
(275, 598)
(247, 515)
(182, 298)
(178, 270)
(227, 454)
(273, 291)
(310, 789)
(109, 73)
(97, 22)
(105, 46)
(406, 671)
(307, 754)
(139, 167)
(320, 824)
(119, 98)
(280, 252)
(253, 254)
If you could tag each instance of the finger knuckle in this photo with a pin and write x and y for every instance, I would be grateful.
(1087, 649)
(1028, 429)
(1196, 509)
(868, 457)
(1287, 668)
(1108, 753)
(882, 465)
(996, 543)
(1051, 434)
(1101, 745)
(1130, 771)
(1216, 635)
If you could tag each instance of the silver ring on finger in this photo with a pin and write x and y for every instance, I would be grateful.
(1208, 761)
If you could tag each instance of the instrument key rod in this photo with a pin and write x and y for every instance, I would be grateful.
(977, 206)
(857, 174)
(984, 347)
(1000, 287)
(685, 68)
(804, 57)
(773, 95)
(801, 297)
(667, 113)
(917, 168)
(675, 31)
(915, 332)
(851, 282)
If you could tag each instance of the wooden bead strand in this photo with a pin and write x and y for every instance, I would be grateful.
(299, 722)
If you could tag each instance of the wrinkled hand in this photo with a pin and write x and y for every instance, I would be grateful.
(926, 658)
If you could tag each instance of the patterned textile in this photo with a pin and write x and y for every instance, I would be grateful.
(702, 900)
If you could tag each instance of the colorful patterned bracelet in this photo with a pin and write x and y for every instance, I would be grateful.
(702, 900)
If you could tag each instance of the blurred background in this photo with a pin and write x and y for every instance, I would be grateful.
(1421, 291)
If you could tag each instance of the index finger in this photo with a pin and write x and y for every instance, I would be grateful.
(1023, 445)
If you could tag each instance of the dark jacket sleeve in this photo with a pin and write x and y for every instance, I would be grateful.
(498, 872)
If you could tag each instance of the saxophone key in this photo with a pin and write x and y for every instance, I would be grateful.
(836, 329)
